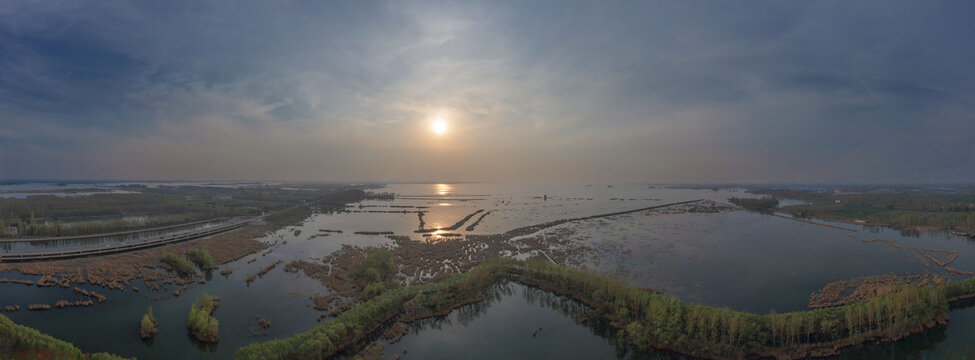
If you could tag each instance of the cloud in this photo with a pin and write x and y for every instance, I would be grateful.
(659, 92)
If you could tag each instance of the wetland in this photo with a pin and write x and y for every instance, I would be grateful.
(316, 263)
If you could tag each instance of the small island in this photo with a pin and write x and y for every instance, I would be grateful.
(202, 325)
(149, 327)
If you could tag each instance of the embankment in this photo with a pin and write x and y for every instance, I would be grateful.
(646, 319)
(21, 342)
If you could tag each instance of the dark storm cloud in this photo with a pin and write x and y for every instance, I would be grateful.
(666, 91)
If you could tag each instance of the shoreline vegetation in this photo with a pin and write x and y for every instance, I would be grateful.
(21, 342)
(766, 204)
(900, 208)
(647, 320)
(262, 271)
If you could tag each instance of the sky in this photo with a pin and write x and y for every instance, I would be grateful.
(588, 92)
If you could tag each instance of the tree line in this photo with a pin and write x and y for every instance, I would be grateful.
(646, 319)
(19, 341)
(765, 204)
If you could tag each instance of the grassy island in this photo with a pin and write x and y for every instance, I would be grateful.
(201, 322)
(148, 326)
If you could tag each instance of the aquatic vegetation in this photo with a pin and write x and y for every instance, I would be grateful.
(36, 307)
(15, 281)
(455, 226)
(373, 233)
(646, 319)
(478, 221)
(444, 235)
(21, 342)
(421, 261)
(181, 263)
(202, 325)
(265, 270)
(148, 326)
(48, 280)
(201, 257)
(91, 294)
(460, 223)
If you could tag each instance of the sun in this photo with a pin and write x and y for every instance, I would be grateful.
(439, 126)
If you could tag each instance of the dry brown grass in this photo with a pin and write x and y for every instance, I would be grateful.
(15, 281)
(265, 270)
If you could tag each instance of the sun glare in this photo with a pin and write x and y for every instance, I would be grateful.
(443, 189)
(439, 126)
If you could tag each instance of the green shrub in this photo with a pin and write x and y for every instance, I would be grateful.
(147, 327)
(374, 289)
(16, 338)
(376, 266)
(202, 258)
(201, 322)
(180, 263)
